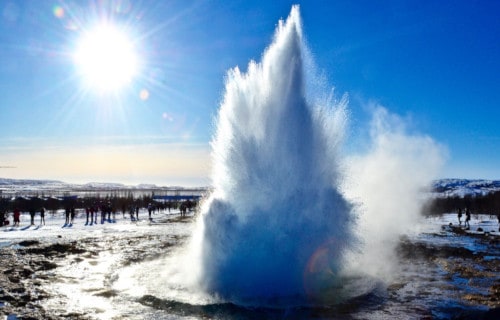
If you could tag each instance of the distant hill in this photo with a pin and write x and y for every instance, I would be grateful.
(30, 186)
(19, 182)
(440, 188)
(464, 187)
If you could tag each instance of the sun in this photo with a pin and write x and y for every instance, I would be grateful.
(106, 58)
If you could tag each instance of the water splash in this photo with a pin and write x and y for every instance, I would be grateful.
(276, 225)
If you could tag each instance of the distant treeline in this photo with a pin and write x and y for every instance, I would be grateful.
(117, 202)
(478, 204)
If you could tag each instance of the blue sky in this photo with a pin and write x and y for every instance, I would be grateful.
(434, 63)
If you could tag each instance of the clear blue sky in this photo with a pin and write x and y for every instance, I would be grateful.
(434, 62)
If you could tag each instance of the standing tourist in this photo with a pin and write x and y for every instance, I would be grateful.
(17, 217)
(42, 216)
(66, 214)
(87, 213)
(467, 218)
(2, 217)
(73, 213)
(32, 216)
(150, 208)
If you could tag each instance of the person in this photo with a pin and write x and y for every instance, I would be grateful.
(32, 216)
(467, 217)
(42, 216)
(459, 216)
(87, 213)
(103, 213)
(92, 211)
(108, 211)
(150, 208)
(2, 217)
(132, 210)
(72, 214)
(67, 216)
(17, 217)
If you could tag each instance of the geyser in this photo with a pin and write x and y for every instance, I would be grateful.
(276, 225)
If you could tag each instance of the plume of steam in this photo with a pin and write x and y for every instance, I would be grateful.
(388, 184)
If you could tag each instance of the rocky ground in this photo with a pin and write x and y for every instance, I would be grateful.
(30, 270)
(25, 270)
(464, 282)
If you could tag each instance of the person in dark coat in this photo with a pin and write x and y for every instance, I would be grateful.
(73, 213)
(32, 216)
(42, 216)
(2, 217)
(467, 217)
(67, 215)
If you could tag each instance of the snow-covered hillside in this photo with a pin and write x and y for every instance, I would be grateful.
(440, 188)
(464, 187)
(28, 187)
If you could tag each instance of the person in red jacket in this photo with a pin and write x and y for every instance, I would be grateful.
(17, 217)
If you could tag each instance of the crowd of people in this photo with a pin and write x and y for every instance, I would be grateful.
(97, 213)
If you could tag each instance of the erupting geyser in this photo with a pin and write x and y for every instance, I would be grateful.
(276, 225)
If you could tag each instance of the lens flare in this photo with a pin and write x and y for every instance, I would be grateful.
(58, 12)
(144, 94)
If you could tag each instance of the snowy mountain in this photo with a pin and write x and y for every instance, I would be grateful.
(440, 188)
(464, 187)
(23, 182)
(29, 187)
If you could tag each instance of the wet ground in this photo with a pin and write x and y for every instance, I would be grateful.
(114, 271)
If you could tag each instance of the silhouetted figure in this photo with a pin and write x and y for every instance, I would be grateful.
(32, 216)
(108, 211)
(150, 208)
(2, 218)
(131, 210)
(17, 217)
(183, 209)
(459, 216)
(42, 216)
(137, 213)
(66, 214)
(87, 214)
(467, 218)
(73, 213)
(103, 213)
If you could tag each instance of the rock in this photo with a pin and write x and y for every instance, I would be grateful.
(44, 265)
(28, 243)
(26, 272)
(8, 297)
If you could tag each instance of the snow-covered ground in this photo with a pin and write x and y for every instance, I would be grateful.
(55, 228)
(122, 273)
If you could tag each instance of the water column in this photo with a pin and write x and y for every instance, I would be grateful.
(276, 226)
